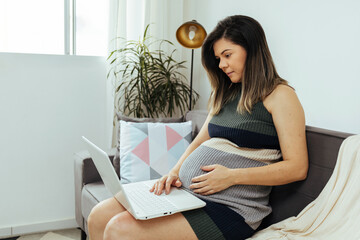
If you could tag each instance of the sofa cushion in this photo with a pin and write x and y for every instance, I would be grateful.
(92, 194)
(116, 160)
(150, 150)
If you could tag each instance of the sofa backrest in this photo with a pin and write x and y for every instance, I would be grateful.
(198, 118)
(288, 200)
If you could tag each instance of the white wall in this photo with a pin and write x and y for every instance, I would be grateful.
(47, 103)
(315, 46)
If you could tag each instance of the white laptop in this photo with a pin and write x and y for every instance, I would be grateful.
(136, 197)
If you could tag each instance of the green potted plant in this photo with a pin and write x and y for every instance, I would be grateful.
(149, 83)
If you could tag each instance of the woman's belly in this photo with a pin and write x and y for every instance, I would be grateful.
(222, 151)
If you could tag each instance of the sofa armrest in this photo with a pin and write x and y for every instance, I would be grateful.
(84, 172)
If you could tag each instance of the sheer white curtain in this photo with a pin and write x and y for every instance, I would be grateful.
(117, 30)
(165, 17)
(117, 22)
(128, 19)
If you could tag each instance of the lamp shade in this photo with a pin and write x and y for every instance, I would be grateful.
(191, 34)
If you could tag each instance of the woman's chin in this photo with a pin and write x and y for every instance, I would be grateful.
(235, 80)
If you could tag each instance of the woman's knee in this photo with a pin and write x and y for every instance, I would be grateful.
(103, 212)
(94, 217)
(121, 226)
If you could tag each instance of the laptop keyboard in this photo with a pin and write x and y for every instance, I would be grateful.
(149, 202)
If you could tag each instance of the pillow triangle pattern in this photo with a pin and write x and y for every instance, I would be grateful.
(142, 151)
(134, 169)
(188, 137)
(157, 141)
(129, 130)
(160, 165)
(154, 174)
(142, 127)
(139, 169)
(172, 137)
(177, 150)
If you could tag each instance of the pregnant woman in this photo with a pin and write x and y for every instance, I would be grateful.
(252, 139)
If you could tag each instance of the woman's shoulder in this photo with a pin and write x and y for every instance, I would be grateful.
(281, 91)
(281, 95)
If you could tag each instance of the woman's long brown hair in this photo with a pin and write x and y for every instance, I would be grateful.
(260, 77)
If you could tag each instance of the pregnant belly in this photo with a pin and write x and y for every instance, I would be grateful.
(205, 155)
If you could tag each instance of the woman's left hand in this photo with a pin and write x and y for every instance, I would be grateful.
(217, 179)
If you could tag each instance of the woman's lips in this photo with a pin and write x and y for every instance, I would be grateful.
(229, 73)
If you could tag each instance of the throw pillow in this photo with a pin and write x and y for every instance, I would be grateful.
(150, 150)
(116, 160)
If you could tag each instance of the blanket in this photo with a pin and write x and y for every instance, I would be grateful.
(335, 213)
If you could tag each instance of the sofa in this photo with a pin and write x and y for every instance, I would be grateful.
(286, 200)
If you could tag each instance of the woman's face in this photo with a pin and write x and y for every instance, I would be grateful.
(232, 58)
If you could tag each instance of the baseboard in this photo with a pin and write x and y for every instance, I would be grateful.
(38, 227)
(5, 232)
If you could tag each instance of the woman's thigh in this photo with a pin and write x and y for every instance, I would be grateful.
(105, 210)
(125, 226)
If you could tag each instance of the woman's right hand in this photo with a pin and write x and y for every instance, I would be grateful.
(165, 182)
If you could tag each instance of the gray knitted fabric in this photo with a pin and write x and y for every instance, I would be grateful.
(250, 201)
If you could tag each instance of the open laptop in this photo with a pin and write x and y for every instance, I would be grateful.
(136, 197)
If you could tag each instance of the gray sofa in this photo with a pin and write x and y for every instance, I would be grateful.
(287, 200)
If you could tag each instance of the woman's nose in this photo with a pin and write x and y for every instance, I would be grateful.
(222, 64)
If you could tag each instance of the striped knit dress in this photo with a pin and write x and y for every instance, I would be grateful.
(237, 141)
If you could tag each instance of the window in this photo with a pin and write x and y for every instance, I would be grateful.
(48, 27)
(26, 27)
(91, 27)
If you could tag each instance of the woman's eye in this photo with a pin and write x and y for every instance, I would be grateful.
(227, 55)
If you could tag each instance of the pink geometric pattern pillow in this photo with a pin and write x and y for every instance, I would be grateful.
(150, 150)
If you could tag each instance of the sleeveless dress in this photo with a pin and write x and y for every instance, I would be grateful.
(237, 141)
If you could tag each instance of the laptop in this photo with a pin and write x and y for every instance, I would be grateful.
(136, 197)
